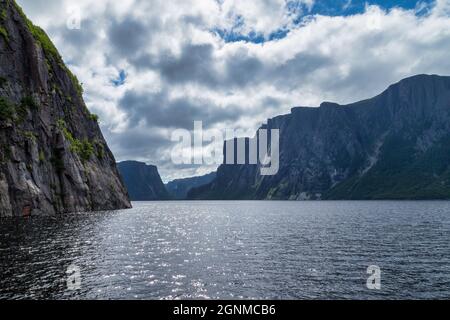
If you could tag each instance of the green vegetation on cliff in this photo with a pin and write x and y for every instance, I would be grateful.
(6, 109)
(49, 48)
(4, 33)
(83, 148)
(10, 111)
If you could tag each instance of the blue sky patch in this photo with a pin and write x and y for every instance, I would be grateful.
(326, 8)
(120, 80)
(349, 7)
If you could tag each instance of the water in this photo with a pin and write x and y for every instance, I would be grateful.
(232, 250)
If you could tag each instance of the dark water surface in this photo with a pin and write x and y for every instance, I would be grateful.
(232, 250)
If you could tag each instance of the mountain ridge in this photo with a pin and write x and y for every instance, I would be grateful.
(142, 181)
(355, 151)
(179, 188)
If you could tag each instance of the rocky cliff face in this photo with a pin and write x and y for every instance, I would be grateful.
(393, 146)
(142, 181)
(53, 157)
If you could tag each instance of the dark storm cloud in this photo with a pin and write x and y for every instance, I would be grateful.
(196, 20)
(74, 39)
(243, 70)
(140, 141)
(302, 64)
(129, 36)
(195, 64)
(142, 61)
(158, 110)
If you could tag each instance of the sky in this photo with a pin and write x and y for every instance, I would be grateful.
(150, 67)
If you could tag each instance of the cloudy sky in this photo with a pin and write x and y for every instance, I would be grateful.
(150, 67)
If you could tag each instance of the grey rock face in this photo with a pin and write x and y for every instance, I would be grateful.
(53, 157)
(393, 146)
(142, 181)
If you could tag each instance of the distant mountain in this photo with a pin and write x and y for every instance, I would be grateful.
(142, 181)
(178, 189)
(393, 146)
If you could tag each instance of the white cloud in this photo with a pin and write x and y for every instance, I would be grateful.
(261, 17)
(172, 56)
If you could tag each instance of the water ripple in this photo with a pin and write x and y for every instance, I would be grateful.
(232, 250)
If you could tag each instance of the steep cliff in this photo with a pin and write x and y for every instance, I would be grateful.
(393, 146)
(142, 181)
(53, 157)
